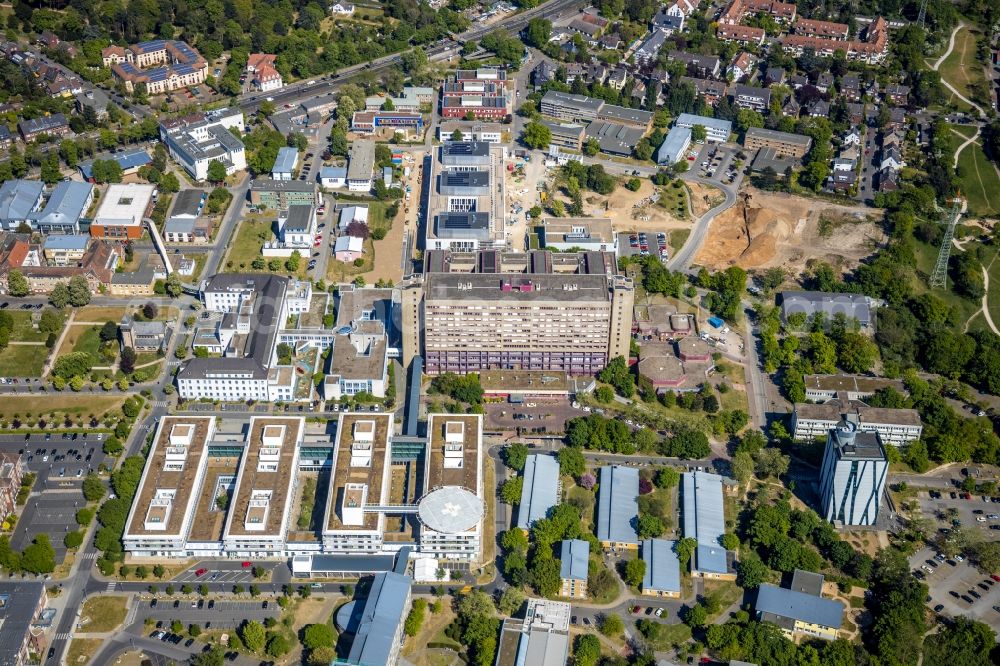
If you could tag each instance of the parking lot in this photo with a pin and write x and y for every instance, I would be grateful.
(958, 588)
(642, 244)
(53, 514)
(216, 575)
(210, 615)
(714, 161)
(550, 414)
(973, 514)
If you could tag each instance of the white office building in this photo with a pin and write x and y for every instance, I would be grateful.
(195, 145)
(853, 475)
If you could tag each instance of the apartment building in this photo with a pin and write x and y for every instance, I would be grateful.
(820, 388)
(470, 130)
(716, 129)
(539, 490)
(800, 610)
(574, 557)
(198, 143)
(566, 135)
(54, 125)
(532, 311)
(21, 604)
(122, 211)
(65, 250)
(180, 65)
(744, 35)
(871, 48)
(853, 475)
(262, 73)
(361, 166)
(618, 507)
(784, 144)
(280, 194)
(894, 426)
(824, 29)
(750, 97)
(663, 569)
(705, 521)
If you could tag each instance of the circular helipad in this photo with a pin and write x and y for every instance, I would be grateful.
(450, 510)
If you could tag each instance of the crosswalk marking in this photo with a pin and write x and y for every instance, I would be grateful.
(111, 586)
(65, 636)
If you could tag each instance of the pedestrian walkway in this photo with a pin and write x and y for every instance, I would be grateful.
(111, 586)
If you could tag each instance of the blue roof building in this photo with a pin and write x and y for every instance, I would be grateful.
(540, 490)
(663, 569)
(18, 200)
(380, 631)
(674, 146)
(129, 162)
(574, 567)
(67, 203)
(285, 163)
(618, 507)
(704, 521)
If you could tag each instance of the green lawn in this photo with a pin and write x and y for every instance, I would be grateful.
(89, 342)
(674, 198)
(960, 68)
(978, 181)
(926, 256)
(251, 234)
(23, 361)
(24, 330)
(677, 238)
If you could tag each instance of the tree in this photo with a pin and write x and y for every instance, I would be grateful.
(73, 540)
(667, 477)
(698, 133)
(174, 287)
(510, 490)
(695, 616)
(536, 135)
(39, 557)
(127, 361)
(635, 571)
(316, 636)
(253, 635)
(93, 488)
(650, 527)
(511, 600)
(537, 32)
(79, 291)
(571, 461)
(17, 284)
(415, 618)
(612, 625)
(685, 549)
(59, 297)
(277, 646)
(771, 462)
(216, 171)
(618, 374)
(742, 467)
(215, 656)
(586, 650)
(545, 576)
(515, 456)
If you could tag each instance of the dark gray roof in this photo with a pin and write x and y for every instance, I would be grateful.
(384, 611)
(808, 582)
(540, 491)
(856, 306)
(618, 504)
(299, 218)
(18, 601)
(268, 185)
(574, 556)
(624, 114)
(189, 203)
(795, 605)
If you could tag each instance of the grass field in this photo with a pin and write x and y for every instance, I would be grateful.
(677, 238)
(960, 68)
(24, 330)
(978, 180)
(60, 405)
(100, 313)
(23, 361)
(82, 649)
(105, 613)
(251, 234)
(88, 341)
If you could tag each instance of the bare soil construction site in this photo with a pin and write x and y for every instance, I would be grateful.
(767, 229)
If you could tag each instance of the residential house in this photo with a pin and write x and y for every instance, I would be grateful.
(742, 66)
(750, 97)
(712, 91)
(54, 125)
(800, 610)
